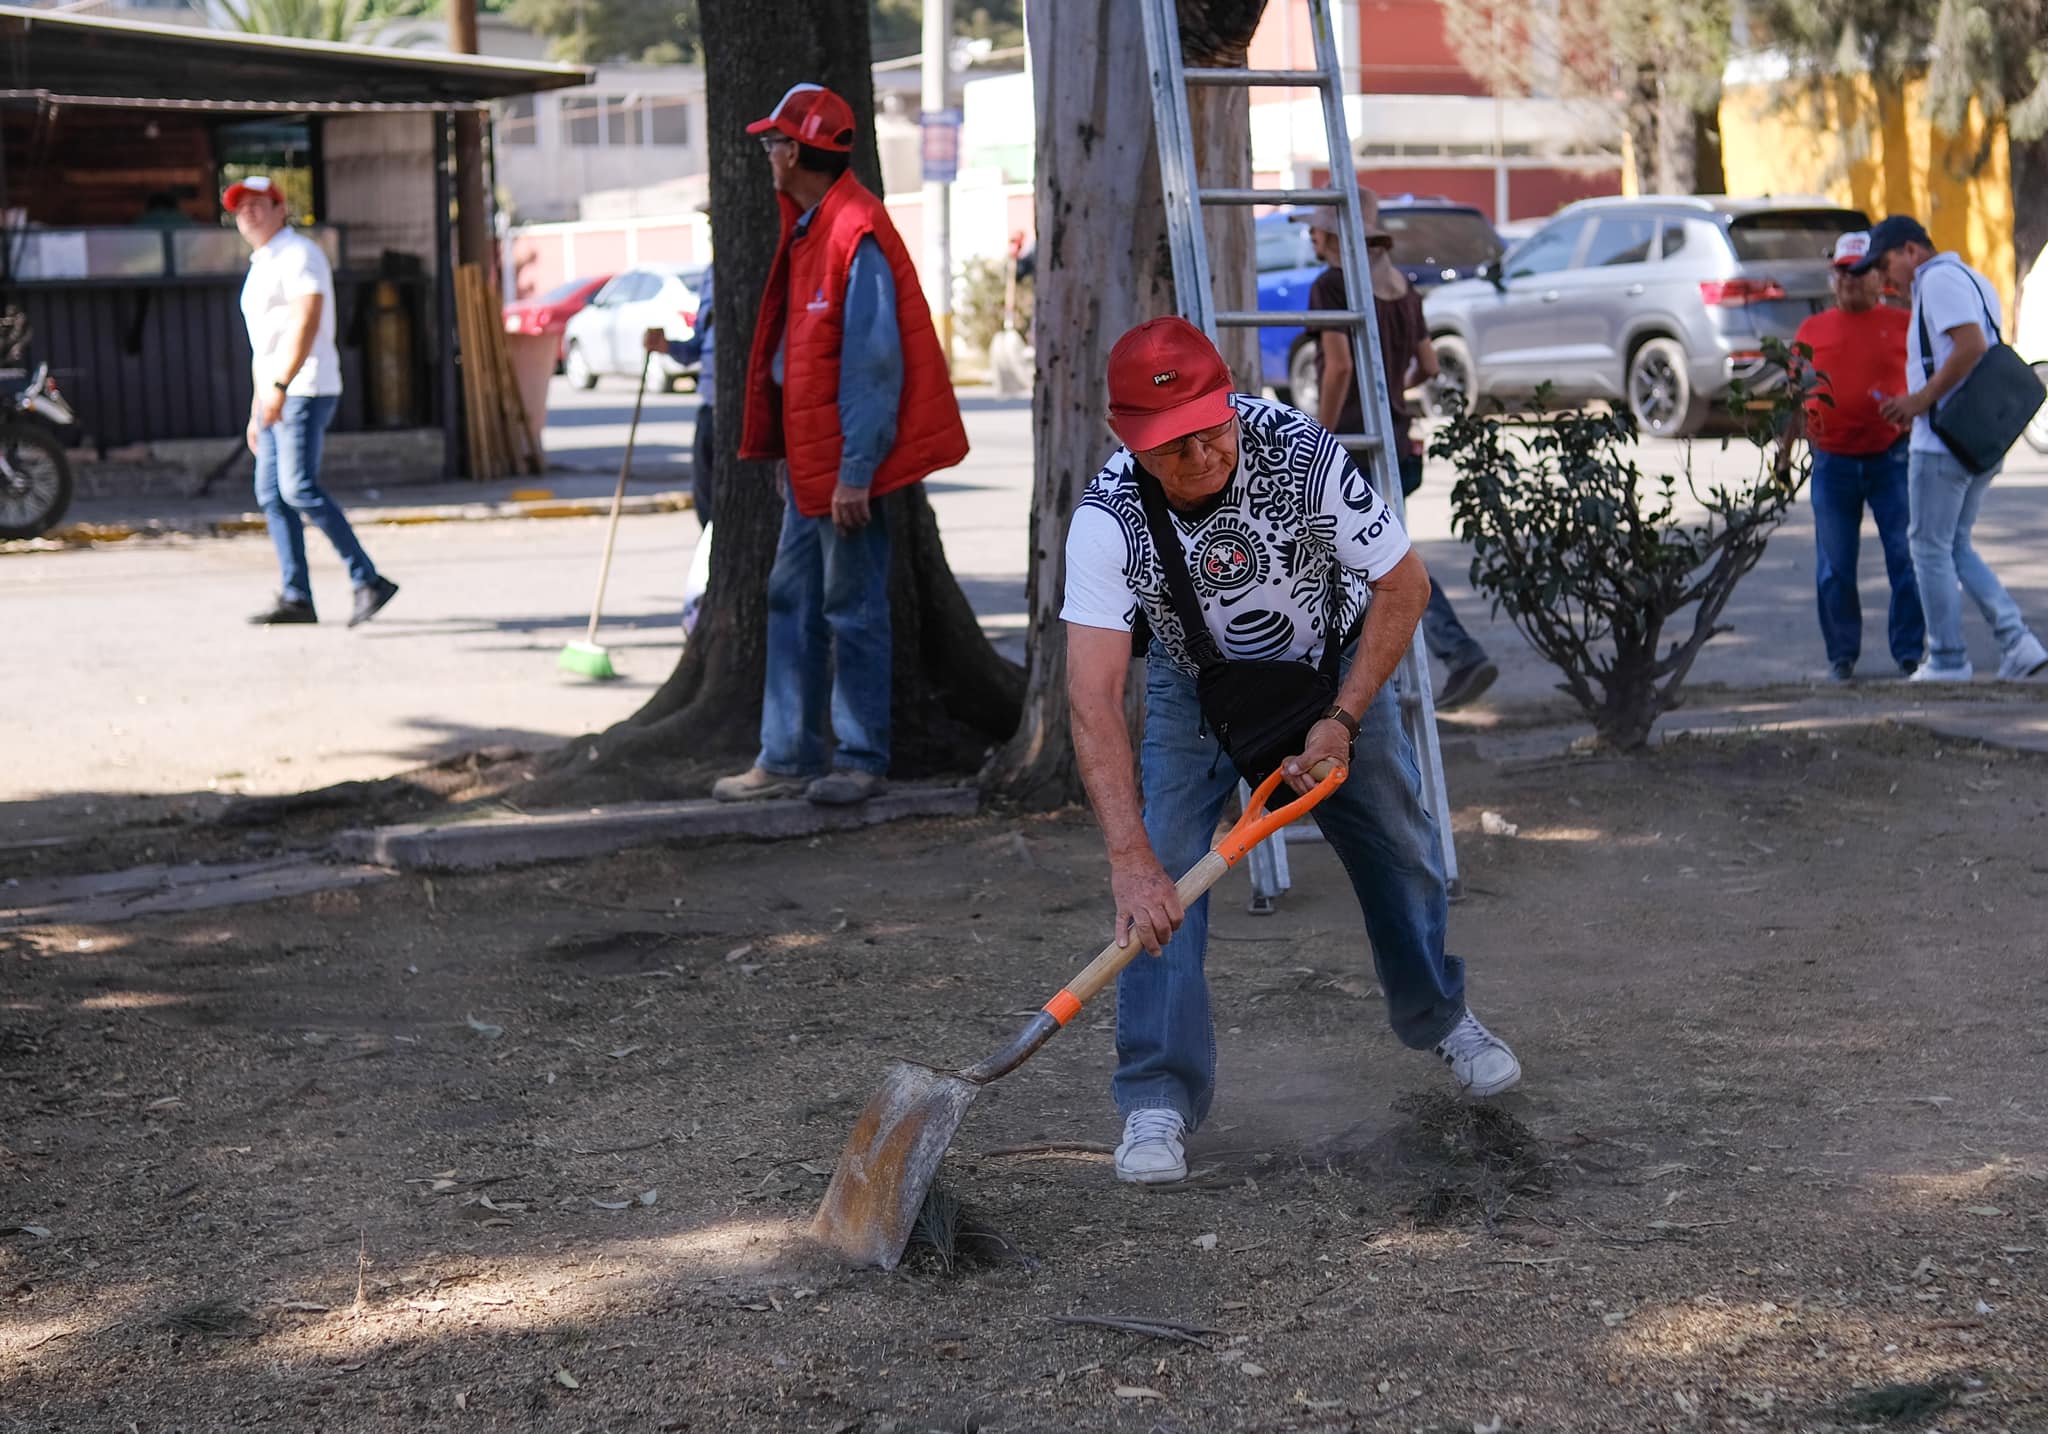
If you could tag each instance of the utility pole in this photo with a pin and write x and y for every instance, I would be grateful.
(472, 208)
(941, 162)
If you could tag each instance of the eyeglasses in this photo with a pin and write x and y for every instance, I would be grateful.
(1207, 437)
(772, 142)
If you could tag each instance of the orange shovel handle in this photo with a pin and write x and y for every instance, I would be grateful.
(1252, 828)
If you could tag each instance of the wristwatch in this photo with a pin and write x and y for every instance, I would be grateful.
(281, 387)
(1338, 714)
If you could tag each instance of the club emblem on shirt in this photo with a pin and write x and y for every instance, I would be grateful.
(1227, 558)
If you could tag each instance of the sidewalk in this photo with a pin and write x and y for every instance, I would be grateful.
(563, 493)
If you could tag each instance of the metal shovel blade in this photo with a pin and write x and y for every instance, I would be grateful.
(890, 1162)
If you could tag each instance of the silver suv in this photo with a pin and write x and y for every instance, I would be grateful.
(1654, 302)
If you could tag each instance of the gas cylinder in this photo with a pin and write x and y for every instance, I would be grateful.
(390, 360)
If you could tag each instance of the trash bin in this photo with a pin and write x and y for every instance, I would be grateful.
(533, 364)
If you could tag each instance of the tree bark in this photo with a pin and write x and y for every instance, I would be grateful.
(954, 695)
(1103, 266)
(2029, 206)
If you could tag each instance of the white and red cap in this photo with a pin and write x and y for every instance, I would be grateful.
(261, 184)
(1166, 380)
(812, 115)
(1851, 247)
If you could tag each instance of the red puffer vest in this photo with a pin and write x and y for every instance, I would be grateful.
(799, 420)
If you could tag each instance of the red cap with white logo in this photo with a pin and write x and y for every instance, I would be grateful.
(1166, 380)
(812, 115)
(255, 184)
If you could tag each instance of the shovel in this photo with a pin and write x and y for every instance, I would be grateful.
(894, 1152)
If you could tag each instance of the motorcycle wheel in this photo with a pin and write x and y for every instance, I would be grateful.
(35, 481)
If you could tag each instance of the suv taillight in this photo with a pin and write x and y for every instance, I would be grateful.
(1734, 293)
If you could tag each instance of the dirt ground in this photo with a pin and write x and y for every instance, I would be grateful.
(533, 1150)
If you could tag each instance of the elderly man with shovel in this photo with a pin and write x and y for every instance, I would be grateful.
(1281, 594)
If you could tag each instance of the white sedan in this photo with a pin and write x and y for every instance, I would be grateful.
(603, 339)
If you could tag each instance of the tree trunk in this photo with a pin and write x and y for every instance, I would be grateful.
(1676, 155)
(954, 694)
(1103, 266)
(2029, 206)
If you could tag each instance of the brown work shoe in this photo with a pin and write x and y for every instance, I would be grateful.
(756, 785)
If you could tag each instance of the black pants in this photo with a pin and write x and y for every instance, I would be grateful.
(703, 451)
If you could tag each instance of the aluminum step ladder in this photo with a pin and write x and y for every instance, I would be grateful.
(1184, 196)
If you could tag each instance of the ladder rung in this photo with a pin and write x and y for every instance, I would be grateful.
(1273, 196)
(1306, 79)
(1291, 318)
(1359, 442)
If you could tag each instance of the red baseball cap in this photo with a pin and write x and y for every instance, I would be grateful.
(1166, 380)
(261, 184)
(812, 115)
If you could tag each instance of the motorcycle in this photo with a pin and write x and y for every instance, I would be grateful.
(35, 476)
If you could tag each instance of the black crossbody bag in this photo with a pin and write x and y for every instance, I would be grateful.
(1985, 414)
(1260, 711)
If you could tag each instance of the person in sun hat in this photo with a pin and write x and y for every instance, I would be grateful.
(1289, 549)
(288, 305)
(848, 388)
(1409, 358)
(1956, 308)
(1859, 459)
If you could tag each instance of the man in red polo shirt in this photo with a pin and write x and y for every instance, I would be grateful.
(847, 386)
(1859, 459)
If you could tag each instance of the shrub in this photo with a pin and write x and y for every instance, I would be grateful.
(978, 303)
(1586, 553)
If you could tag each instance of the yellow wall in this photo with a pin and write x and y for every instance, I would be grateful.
(1880, 158)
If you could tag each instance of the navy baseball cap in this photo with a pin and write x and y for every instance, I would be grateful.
(1888, 234)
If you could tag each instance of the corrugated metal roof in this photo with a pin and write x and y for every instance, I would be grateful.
(88, 57)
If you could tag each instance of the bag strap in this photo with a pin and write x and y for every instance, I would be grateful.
(1920, 314)
(1180, 588)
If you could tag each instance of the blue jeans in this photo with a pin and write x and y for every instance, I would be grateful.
(1945, 498)
(289, 493)
(1380, 830)
(1842, 484)
(1442, 633)
(828, 645)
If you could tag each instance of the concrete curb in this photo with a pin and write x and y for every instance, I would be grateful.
(518, 840)
(86, 534)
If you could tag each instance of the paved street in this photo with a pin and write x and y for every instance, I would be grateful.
(132, 670)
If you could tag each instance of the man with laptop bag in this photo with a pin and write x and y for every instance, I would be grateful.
(1968, 398)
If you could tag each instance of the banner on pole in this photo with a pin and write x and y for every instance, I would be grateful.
(940, 130)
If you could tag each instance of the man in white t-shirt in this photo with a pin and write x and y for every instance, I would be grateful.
(1956, 309)
(1274, 520)
(288, 305)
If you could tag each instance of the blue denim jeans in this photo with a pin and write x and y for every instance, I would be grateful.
(1945, 497)
(1380, 829)
(1442, 633)
(289, 493)
(1841, 487)
(828, 648)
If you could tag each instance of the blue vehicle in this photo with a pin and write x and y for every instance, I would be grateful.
(1435, 241)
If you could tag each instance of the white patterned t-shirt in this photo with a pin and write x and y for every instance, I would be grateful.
(1261, 560)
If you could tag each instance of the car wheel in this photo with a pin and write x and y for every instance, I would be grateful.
(2037, 428)
(1660, 393)
(1301, 377)
(1453, 376)
(578, 368)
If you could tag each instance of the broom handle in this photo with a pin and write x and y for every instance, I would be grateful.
(611, 532)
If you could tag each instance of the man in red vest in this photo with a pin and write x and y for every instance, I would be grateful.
(847, 386)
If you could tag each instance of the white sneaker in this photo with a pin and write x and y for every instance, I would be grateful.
(2026, 658)
(1928, 672)
(1152, 1152)
(1479, 1059)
